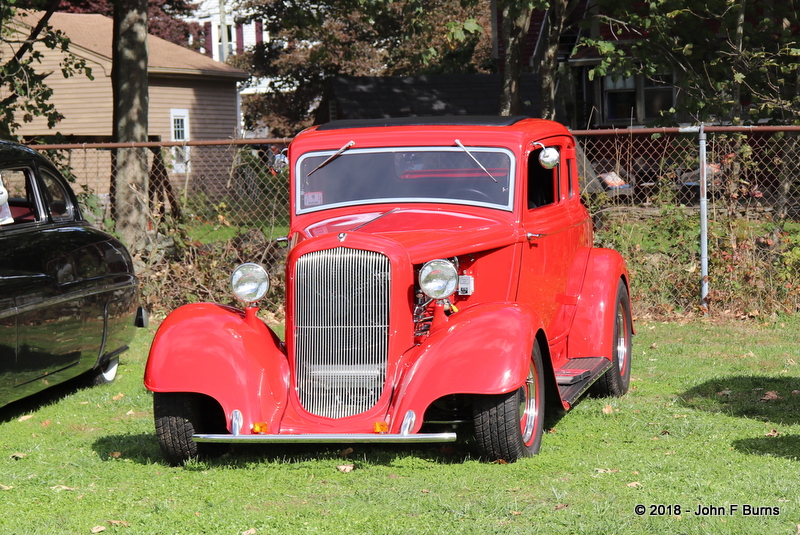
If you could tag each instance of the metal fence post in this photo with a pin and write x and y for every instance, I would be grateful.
(703, 223)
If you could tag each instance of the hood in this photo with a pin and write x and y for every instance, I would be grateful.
(426, 233)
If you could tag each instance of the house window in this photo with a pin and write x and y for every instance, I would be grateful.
(180, 132)
(223, 55)
(619, 98)
(636, 99)
(658, 96)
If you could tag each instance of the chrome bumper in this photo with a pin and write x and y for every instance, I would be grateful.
(405, 435)
(322, 438)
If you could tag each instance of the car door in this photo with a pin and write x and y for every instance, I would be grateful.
(548, 224)
(38, 262)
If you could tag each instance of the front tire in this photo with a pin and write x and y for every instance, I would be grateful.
(103, 375)
(617, 379)
(509, 426)
(178, 416)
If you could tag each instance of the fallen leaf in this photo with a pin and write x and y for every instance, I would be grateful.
(26, 417)
(118, 396)
(83, 403)
(46, 423)
(251, 531)
(560, 506)
(795, 392)
(426, 491)
(500, 461)
(6, 487)
(770, 396)
(119, 523)
(725, 392)
(59, 488)
(634, 484)
(115, 454)
(516, 513)
(773, 433)
(606, 470)
(345, 452)
(679, 416)
(98, 529)
(653, 345)
(608, 409)
(18, 456)
(345, 468)
(130, 413)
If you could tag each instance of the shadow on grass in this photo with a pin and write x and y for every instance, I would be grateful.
(143, 448)
(39, 400)
(782, 446)
(768, 399)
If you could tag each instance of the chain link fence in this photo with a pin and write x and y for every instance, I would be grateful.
(217, 204)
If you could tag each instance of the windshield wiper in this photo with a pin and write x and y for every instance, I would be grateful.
(474, 159)
(331, 158)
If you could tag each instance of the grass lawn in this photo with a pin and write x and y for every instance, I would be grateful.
(712, 421)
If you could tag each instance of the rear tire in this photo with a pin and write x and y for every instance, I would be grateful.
(617, 379)
(509, 426)
(178, 416)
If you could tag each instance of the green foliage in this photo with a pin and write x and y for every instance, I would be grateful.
(314, 41)
(729, 65)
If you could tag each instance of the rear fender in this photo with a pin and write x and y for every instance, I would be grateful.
(484, 349)
(593, 326)
(223, 353)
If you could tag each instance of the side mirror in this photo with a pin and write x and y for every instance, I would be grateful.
(549, 157)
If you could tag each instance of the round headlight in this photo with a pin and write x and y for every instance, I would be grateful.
(438, 279)
(250, 282)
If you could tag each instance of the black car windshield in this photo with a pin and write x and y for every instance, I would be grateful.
(477, 176)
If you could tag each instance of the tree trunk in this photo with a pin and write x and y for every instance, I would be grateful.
(129, 81)
(516, 21)
(557, 16)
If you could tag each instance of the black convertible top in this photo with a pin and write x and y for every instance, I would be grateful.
(446, 120)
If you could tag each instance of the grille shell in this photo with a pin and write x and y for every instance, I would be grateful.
(341, 315)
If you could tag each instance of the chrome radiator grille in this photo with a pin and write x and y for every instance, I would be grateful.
(341, 312)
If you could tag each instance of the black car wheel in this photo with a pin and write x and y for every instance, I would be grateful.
(509, 426)
(617, 379)
(178, 416)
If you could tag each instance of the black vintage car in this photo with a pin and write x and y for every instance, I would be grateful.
(69, 299)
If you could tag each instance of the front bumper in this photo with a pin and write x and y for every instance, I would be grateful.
(405, 436)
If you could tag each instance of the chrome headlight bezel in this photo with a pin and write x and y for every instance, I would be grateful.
(249, 282)
(438, 279)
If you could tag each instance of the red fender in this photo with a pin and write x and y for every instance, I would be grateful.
(593, 325)
(223, 353)
(484, 349)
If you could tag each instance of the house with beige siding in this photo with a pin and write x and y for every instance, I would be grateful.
(191, 96)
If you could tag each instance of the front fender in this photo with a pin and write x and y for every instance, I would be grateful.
(215, 350)
(484, 349)
(593, 325)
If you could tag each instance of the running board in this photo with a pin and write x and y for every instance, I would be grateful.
(577, 375)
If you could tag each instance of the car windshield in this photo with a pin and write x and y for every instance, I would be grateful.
(475, 176)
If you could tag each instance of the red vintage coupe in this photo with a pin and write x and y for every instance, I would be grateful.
(441, 284)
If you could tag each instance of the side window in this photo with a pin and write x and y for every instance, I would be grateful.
(56, 199)
(17, 192)
(543, 184)
(571, 171)
(179, 120)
